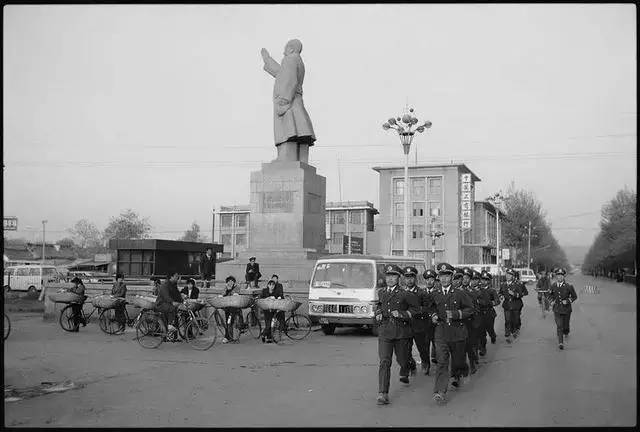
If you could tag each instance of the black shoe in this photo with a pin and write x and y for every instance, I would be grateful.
(561, 346)
(404, 379)
(483, 352)
(493, 340)
(434, 361)
(456, 383)
(474, 369)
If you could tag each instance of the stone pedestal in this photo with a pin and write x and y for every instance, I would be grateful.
(287, 211)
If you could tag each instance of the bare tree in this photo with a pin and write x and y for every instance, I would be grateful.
(129, 225)
(192, 234)
(87, 234)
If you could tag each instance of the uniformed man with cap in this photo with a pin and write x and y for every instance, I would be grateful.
(525, 292)
(431, 284)
(393, 313)
(487, 299)
(457, 278)
(473, 322)
(511, 294)
(452, 307)
(477, 323)
(419, 321)
(562, 295)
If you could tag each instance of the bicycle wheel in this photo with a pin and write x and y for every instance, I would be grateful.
(6, 326)
(150, 330)
(276, 330)
(297, 327)
(253, 322)
(219, 321)
(183, 321)
(66, 320)
(108, 322)
(201, 335)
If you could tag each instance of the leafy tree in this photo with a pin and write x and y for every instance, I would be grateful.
(67, 243)
(129, 225)
(193, 234)
(86, 233)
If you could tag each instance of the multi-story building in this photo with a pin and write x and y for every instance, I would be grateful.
(482, 248)
(231, 226)
(441, 198)
(348, 218)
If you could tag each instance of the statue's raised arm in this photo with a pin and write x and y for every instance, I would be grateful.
(270, 65)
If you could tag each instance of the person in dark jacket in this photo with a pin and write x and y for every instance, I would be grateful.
(168, 299)
(273, 291)
(419, 322)
(473, 322)
(252, 272)
(393, 313)
(232, 313)
(119, 289)
(562, 295)
(275, 279)
(487, 299)
(511, 292)
(191, 290)
(452, 307)
(543, 284)
(432, 284)
(207, 267)
(78, 288)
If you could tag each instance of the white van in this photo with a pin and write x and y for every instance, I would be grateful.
(526, 275)
(343, 288)
(29, 278)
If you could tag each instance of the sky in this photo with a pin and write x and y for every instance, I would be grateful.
(165, 109)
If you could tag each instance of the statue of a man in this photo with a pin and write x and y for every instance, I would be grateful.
(291, 122)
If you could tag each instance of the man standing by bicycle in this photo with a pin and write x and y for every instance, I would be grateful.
(276, 292)
(562, 295)
(78, 288)
(393, 314)
(419, 321)
(119, 289)
(232, 314)
(168, 296)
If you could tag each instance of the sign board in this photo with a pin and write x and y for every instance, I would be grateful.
(466, 201)
(505, 254)
(357, 245)
(10, 223)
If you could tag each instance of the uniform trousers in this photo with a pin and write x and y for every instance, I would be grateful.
(386, 348)
(431, 344)
(446, 350)
(469, 346)
(562, 324)
(510, 321)
(488, 320)
(423, 349)
(519, 320)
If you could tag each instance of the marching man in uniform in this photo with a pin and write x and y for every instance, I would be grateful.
(562, 295)
(452, 307)
(393, 313)
(511, 293)
(487, 299)
(473, 322)
(432, 284)
(419, 322)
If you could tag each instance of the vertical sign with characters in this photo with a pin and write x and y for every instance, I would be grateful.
(466, 201)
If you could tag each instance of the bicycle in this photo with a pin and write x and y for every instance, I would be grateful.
(253, 320)
(544, 302)
(296, 326)
(6, 326)
(67, 316)
(151, 329)
(110, 324)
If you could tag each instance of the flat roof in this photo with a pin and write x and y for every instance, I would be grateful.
(370, 257)
(491, 206)
(166, 245)
(462, 167)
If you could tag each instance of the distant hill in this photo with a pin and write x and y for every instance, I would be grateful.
(575, 254)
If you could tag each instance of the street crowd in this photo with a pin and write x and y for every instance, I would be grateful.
(450, 319)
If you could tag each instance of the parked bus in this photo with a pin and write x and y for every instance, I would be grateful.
(30, 278)
(343, 289)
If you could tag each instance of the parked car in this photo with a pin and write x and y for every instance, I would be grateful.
(526, 275)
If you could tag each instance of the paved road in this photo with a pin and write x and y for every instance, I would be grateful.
(331, 380)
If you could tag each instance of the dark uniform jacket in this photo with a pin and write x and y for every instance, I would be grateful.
(475, 319)
(119, 289)
(421, 321)
(402, 301)
(195, 292)
(560, 293)
(277, 292)
(207, 266)
(458, 302)
(252, 272)
(487, 299)
(543, 283)
(512, 302)
(167, 294)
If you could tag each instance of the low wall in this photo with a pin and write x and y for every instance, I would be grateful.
(299, 292)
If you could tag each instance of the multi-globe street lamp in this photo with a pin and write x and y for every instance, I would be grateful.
(406, 126)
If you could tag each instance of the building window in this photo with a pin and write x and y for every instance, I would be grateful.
(241, 220)
(241, 239)
(398, 230)
(434, 207)
(417, 189)
(417, 232)
(399, 210)
(336, 238)
(226, 220)
(226, 240)
(435, 189)
(356, 216)
(398, 187)
(418, 209)
(338, 217)
(357, 234)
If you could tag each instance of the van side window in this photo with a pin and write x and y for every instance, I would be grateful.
(34, 271)
(22, 272)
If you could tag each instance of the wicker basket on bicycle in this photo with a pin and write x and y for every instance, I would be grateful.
(144, 302)
(107, 301)
(285, 305)
(235, 301)
(192, 304)
(66, 297)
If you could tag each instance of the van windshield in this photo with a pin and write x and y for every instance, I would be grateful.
(344, 275)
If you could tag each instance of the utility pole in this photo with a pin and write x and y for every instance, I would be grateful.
(434, 235)
(43, 242)
(529, 248)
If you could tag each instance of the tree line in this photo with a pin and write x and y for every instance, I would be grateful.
(614, 248)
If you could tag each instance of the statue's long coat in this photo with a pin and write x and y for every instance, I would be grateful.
(294, 124)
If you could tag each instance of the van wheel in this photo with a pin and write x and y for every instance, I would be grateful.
(328, 329)
(32, 292)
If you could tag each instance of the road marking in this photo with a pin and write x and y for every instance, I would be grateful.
(591, 289)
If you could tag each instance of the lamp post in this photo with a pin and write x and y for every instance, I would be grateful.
(496, 199)
(403, 126)
(43, 243)
(434, 235)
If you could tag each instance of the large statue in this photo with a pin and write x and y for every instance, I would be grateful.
(292, 127)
